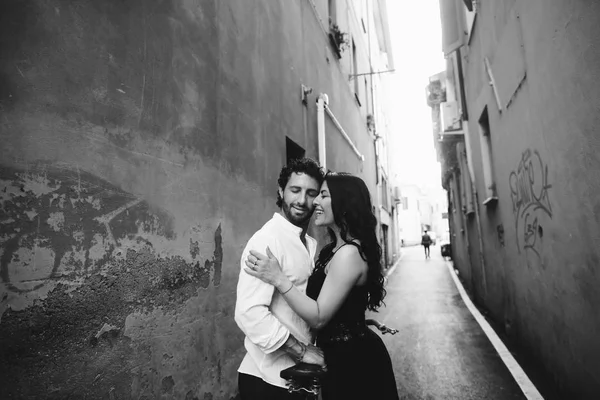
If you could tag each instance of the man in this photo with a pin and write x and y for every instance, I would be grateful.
(426, 242)
(276, 337)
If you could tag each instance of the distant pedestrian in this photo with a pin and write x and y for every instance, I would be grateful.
(426, 242)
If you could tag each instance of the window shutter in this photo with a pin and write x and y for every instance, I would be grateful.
(466, 191)
(453, 33)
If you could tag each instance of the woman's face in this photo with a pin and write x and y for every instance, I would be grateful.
(323, 211)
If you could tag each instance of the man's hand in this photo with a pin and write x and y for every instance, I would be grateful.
(301, 352)
(313, 355)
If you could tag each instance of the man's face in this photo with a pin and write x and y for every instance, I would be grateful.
(298, 196)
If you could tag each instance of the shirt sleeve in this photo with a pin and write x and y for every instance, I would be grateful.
(252, 312)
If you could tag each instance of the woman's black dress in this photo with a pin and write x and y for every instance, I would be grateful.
(358, 364)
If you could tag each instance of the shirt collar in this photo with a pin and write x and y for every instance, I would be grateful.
(284, 223)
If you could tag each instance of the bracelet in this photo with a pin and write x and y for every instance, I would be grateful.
(291, 286)
(302, 353)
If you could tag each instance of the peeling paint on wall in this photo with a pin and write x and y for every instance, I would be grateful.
(82, 285)
(61, 225)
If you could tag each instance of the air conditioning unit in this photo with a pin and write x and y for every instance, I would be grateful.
(450, 116)
(397, 194)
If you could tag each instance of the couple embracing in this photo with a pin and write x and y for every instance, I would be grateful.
(285, 300)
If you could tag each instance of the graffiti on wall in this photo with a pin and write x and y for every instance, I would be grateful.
(500, 232)
(529, 192)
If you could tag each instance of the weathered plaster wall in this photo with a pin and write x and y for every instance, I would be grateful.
(458, 231)
(140, 145)
(540, 240)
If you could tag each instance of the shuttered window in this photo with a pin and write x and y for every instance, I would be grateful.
(485, 140)
(465, 179)
(452, 18)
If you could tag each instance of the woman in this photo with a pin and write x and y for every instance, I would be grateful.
(347, 281)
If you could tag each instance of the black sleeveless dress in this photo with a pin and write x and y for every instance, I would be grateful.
(358, 363)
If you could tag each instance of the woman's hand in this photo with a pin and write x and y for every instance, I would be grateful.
(266, 268)
(314, 355)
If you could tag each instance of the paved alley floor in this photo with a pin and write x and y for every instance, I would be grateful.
(440, 351)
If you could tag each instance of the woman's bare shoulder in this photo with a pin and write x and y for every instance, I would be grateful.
(348, 259)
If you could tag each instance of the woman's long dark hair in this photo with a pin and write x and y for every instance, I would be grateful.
(353, 214)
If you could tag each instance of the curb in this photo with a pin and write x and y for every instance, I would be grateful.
(527, 387)
(393, 267)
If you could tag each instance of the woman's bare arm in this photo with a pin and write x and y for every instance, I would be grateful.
(344, 271)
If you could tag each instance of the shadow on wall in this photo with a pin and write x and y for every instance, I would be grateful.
(85, 299)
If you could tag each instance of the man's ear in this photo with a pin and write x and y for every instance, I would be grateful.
(280, 191)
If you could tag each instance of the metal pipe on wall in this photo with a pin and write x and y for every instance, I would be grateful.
(344, 134)
(321, 101)
(322, 108)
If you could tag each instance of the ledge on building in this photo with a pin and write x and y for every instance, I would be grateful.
(490, 201)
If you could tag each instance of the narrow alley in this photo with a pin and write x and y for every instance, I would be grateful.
(144, 144)
(440, 351)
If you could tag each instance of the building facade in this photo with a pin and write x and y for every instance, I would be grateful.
(141, 145)
(420, 209)
(410, 220)
(515, 120)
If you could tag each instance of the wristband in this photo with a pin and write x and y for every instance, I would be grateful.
(291, 286)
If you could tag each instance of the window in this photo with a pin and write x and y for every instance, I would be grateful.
(464, 180)
(405, 203)
(384, 244)
(486, 158)
(470, 10)
(458, 18)
(453, 34)
(293, 150)
(384, 193)
(354, 72)
(366, 94)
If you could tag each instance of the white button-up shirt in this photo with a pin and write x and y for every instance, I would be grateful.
(261, 312)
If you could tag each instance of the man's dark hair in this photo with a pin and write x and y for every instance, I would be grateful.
(306, 166)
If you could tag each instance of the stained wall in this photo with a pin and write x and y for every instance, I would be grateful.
(140, 147)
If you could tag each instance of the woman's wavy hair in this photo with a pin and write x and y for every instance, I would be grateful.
(353, 214)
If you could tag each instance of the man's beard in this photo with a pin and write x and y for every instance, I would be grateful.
(298, 221)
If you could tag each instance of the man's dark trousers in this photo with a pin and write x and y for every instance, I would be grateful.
(253, 388)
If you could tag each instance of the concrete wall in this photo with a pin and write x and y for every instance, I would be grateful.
(459, 238)
(540, 239)
(141, 143)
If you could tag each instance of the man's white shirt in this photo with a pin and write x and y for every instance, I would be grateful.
(261, 312)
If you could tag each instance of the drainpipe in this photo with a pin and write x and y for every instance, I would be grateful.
(322, 101)
(473, 188)
(480, 238)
